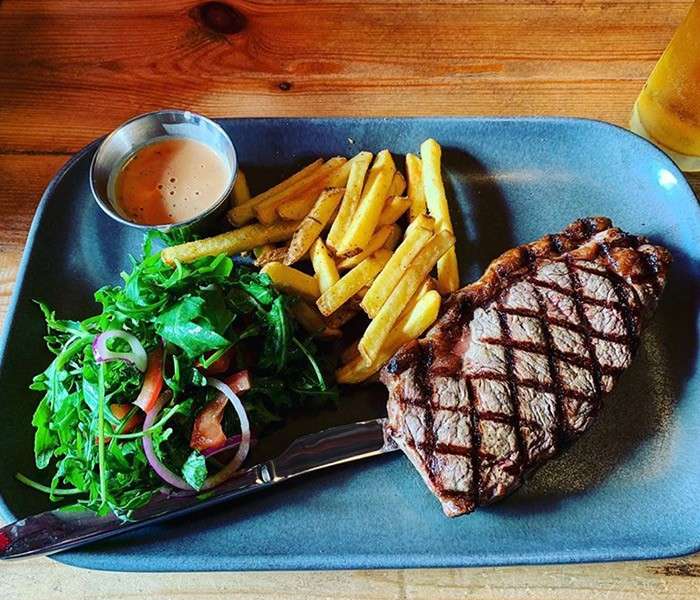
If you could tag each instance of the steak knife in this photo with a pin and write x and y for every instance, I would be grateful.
(57, 530)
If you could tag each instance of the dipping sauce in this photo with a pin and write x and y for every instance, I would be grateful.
(170, 181)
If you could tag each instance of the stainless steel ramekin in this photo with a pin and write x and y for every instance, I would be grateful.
(142, 130)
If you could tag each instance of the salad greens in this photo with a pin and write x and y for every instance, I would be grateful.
(200, 313)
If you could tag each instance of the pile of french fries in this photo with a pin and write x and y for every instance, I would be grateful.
(342, 216)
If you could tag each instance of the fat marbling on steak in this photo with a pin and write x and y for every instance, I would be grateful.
(516, 366)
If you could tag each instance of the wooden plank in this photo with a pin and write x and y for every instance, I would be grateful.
(677, 580)
(22, 180)
(96, 64)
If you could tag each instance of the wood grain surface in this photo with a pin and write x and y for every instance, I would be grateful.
(71, 70)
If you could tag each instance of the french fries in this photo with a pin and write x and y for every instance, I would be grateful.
(366, 217)
(378, 240)
(393, 209)
(351, 198)
(297, 208)
(346, 218)
(417, 235)
(272, 254)
(380, 327)
(291, 280)
(232, 242)
(241, 193)
(398, 184)
(307, 188)
(300, 206)
(313, 224)
(311, 320)
(352, 282)
(344, 314)
(414, 321)
(324, 266)
(240, 215)
(259, 251)
(394, 238)
(428, 285)
(414, 170)
(436, 201)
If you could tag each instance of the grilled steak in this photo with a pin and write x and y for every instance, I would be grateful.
(515, 368)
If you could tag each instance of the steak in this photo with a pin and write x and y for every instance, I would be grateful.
(515, 368)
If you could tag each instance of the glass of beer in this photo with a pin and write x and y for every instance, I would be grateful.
(667, 111)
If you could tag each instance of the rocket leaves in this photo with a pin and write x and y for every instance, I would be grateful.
(192, 311)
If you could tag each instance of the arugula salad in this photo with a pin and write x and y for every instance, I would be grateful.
(170, 384)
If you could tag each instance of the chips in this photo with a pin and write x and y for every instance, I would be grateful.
(379, 240)
(241, 193)
(307, 189)
(324, 266)
(394, 207)
(313, 224)
(351, 198)
(417, 235)
(296, 209)
(311, 320)
(240, 215)
(268, 253)
(369, 243)
(380, 327)
(291, 280)
(232, 242)
(414, 321)
(436, 201)
(414, 170)
(352, 282)
(366, 217)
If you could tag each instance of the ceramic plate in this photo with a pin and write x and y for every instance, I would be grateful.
(627, 490)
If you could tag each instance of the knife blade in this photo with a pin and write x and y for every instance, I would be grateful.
(57, 530)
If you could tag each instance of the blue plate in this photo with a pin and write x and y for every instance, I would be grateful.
(628, 490)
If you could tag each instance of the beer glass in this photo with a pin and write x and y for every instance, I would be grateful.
(667, 111)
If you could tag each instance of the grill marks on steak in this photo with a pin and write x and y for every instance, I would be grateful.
(516, 367)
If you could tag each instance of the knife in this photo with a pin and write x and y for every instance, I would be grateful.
(57, 530)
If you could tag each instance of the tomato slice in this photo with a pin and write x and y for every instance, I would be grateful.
(221, 364)
(120, 411)
(152, 381)
(207, 433)
(238, 382)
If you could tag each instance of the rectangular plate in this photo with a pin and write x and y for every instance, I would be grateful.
(627, 490)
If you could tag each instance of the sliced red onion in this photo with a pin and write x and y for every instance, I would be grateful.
(136, 357)
(161, 470)
(230, 469)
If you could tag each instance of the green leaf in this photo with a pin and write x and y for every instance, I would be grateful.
(259, 288)
(196, 324)
(215, 311)
(193, 338)
(277, 338)
(45, 440)
(194, 471)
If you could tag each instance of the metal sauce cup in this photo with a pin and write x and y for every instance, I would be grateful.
(120, 145)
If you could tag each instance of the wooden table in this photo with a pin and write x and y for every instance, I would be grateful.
(71, 70)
